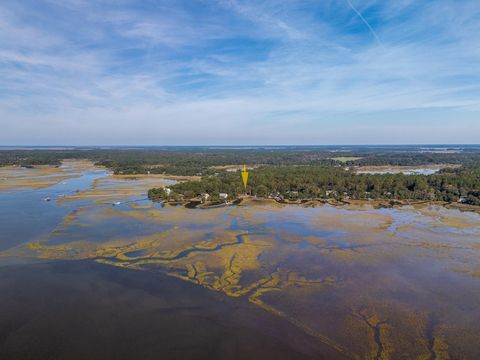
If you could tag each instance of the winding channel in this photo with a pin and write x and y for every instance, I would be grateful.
(239, 239)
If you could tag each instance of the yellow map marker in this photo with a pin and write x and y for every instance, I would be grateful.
(245, 176)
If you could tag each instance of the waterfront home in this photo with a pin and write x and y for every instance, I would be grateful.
(204, 197)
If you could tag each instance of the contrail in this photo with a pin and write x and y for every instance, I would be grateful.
(364, 21)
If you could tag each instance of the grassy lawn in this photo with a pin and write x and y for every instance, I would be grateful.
(346, 158)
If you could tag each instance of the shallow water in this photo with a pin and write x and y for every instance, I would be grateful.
(405, 171)
(25, 214)
(364, 283)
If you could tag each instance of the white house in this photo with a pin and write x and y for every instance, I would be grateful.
(205, 197)
(223, 196)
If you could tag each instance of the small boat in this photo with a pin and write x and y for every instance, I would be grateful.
(116, 203)
(47, 199)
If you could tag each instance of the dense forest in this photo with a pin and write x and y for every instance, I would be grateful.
(320, 182)
(199, 160)
(296, 172)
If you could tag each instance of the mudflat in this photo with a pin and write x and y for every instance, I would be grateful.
(83, 310)
(328, 281)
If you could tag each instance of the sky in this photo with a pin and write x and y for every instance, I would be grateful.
(231, 72)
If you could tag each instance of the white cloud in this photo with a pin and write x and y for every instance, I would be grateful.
(261, 70)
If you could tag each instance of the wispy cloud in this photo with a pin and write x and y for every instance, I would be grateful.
(364, 20)
(306, 72)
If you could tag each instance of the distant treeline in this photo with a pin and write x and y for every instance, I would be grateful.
(198, 161)
(320, 182)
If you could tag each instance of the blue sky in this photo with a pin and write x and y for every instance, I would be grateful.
(163, 72)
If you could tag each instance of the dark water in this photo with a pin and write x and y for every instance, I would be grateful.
(25, 215)
(389, 283)
(83, 310)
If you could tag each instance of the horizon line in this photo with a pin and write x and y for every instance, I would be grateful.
(236, 145)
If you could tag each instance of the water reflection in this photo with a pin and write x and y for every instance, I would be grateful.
(365, 283)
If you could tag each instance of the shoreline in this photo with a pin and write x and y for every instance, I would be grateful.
(404, 167)
(313, 203)
(51, 174)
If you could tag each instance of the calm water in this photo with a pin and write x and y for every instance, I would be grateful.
(405, 172)
(357, 282)
(25, 215)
